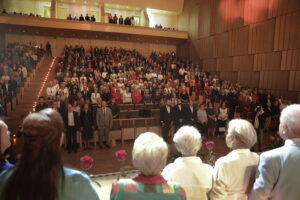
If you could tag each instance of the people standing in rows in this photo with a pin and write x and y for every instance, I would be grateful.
(212, 120)
(104, 120)
(166, 119)
(277, 175)
(71, 120)
(235, 172)
(202, 120)
(115, 19)
(190, 114)
(222, 118)
(81, 18)
(87, 125)
(121, 21)
(259, 124)
(178, 115)
(87, 17)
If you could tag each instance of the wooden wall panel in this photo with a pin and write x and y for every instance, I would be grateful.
(234, 13)
(267, 61)
(225, 64)
(206, 47)
(250, 79)
(230, 76)
(243, 63)
(209, 65)
(262, 37)
(238, 41)
(294, 81)
(280, 7)
(277, 80)
(218, 12)
(290, 60)
(287, 32)
(204, 18)
(255, 11)
(221, 44)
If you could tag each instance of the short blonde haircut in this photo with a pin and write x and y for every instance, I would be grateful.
(241, 134)
(188, 140)
(149, 153)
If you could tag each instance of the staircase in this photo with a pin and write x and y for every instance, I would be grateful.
(34, 87)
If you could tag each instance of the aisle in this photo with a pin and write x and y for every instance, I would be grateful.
(36, 87)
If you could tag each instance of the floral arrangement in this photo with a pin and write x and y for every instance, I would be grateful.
(87, 162)
(121, 156)
(275, 141)
(210, 158)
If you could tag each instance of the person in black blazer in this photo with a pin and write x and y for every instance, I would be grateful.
(190, 114)
(178, 115)
(86, 93)
(72, 124)
(86, 124)
(166, 119)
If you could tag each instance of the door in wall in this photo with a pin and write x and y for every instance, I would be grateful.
(47, 12)
(62, 13)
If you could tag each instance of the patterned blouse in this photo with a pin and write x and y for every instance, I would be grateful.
(146, 188)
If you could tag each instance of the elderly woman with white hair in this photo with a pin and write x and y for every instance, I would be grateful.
(234, 173)
(189, 171)
(149, 156)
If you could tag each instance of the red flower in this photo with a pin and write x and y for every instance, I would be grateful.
(121, 155)
(86, 161)
(210, 145)
(272, 138)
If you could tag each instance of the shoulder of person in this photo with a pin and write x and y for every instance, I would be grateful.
(75, 175)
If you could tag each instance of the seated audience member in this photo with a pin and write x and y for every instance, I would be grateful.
(121, 20)
(93, 19)
(41, 104)
(277, 176)
(127, 99)
(69, 17)
(149, 156)
(136, 96)
(234, 173)
(81, 18)
(41, 164)
(87, 17)
(189, 171)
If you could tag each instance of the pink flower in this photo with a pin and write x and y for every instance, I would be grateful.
(210, 145)
(121, 155)
(86, 161)
(272, 138)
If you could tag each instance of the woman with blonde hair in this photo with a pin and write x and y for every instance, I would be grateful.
(234, 173)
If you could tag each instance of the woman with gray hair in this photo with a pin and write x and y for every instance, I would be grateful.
(234, 173)
(149, 156)
(189, 171)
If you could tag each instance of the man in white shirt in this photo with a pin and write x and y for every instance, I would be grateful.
(72, 124)
(278, 176)
(51, 91)
(189, 171)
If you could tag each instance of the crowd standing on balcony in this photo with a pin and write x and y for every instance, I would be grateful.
(16, 62)
(115, 20)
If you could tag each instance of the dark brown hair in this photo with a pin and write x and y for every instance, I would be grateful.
(40, 170)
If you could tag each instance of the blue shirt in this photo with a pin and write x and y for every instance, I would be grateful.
(77, 185)
(4, 165)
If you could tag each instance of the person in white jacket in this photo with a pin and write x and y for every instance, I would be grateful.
(234, 173)
(278, 175)
(189, 171)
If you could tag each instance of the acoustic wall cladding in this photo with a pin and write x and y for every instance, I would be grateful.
(254, 42)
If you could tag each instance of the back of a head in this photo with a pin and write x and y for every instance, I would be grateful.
(149, 153)
(290, 122)
(40, 167)
(188, 140)
(240, 134)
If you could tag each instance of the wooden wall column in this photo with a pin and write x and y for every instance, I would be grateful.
(53, 9)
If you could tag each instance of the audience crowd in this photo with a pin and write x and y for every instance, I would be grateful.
(119, 20)
(16, 62)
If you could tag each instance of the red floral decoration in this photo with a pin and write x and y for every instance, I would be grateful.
(210, 145)
(86, 162)
(121, 155)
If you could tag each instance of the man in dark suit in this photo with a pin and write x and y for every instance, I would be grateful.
(190, 114)
(166, 119)
(178, 115)
(86, 93)
(41, 105)
(72, 124)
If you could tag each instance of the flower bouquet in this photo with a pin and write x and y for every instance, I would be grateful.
(275, 141)
(121, 155)
(210, 158)
(87, 162)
